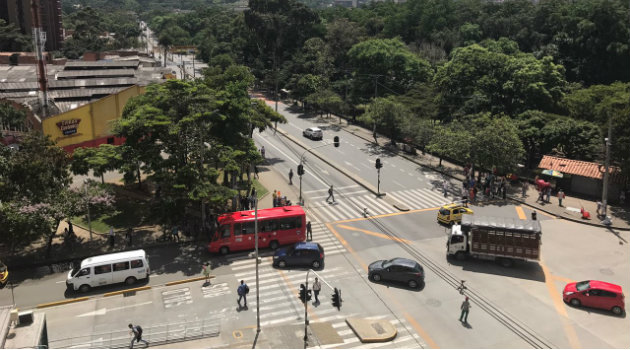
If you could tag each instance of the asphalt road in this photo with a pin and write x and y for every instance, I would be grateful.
(511, 308)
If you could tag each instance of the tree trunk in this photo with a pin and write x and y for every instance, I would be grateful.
(102, 179)
(50, 239)
(139, 177)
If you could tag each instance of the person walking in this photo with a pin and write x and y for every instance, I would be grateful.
(111, 237)
(560, 197)
(330, 194)
(205, 269)
(175, 233)
(242, 292)
(136, 331)
(256, 172)
(445, 187)
(70, 228)
(548, 195)
(274, 197)
(309, 232)
(291, 176)
(523, 189)
(599, 208)
(129, 237)
(463, 317)
(262, 152)
(317, 287)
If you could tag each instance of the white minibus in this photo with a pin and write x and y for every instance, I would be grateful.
(101, 270)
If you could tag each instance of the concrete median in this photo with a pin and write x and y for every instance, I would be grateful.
(188, 280)
(372, 331)
(61, 302)
(132, 290)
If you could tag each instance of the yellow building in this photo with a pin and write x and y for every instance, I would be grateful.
(90, 125)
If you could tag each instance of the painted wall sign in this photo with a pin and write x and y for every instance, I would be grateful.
(69, 127)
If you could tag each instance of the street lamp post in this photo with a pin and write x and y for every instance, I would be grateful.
(257, 263)
(87, 200)
(605, 189)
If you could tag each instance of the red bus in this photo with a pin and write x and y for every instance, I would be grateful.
(276, 226)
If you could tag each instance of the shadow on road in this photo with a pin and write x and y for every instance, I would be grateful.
(521, 269)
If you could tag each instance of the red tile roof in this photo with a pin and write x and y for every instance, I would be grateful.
(579, 168)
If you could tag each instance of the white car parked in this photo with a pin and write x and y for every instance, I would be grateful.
(313, 133)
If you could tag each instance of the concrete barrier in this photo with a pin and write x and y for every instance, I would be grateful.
(126, 291)
(188, 280)
(62, 302)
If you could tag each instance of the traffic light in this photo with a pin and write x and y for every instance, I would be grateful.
(302, 293)
(309, 294)
(300, 169)
(336, 141)
(378, 163)
(336, 299)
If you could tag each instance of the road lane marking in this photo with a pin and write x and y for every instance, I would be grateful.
(289, 158)
(385, 215)
(408, 317)
(520, 212)
(558, 304)
(424, 335)
(104, 310)
(376, 234)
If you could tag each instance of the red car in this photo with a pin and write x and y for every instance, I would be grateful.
(596, 294)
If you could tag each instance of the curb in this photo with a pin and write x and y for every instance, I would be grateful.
(188, 280)
(63, 302)
(568, 218)
(109, 294)
(400, 154)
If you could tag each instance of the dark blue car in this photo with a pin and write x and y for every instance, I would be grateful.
(301, 254)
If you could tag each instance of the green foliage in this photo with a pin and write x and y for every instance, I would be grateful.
(497, 144)
(397, 67)
(572, 139)
(388, 115)
(11, 117)
(100, 160)
(11, 39)
(452, 141)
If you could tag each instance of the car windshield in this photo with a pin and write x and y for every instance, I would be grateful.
(444, 211)
(584, 285)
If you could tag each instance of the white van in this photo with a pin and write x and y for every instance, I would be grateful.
(101, 270)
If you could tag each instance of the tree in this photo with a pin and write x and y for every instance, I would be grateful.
(170, 36)
(572, 139)
(100, 160)
(34, 193)
(386, 114)
(326, 101)
(451, 141)
(11, 117)
(386, 62)
(11, 39)
(497, 145)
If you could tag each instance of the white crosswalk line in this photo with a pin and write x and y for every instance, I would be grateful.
(330, 215)
(422, 199)
(384, 208)
(408, 199)
(344, 208)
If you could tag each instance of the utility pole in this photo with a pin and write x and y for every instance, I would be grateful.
(605, 189)
(39, 37)
(302, 159)
(306, 302)
(257, 263)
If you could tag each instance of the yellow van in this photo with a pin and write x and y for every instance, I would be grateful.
(452, 213)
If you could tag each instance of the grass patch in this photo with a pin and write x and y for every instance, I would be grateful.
(260, 189)
(127, 213)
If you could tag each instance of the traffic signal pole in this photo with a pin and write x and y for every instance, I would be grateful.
(306, 303)
(302, 159)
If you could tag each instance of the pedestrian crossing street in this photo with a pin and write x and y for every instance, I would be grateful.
(279, 303)
(350, 205)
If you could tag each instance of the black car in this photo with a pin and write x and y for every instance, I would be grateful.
(397, 270)
(300, 254)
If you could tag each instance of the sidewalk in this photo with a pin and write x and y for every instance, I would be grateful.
(571, 205)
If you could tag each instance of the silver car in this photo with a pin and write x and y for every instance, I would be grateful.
(313, 133)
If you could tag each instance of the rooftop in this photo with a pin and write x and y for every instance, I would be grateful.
(579, 168)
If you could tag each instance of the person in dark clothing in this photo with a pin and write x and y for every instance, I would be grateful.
(309, 232)
(256, 171)
(242, 292)
(291, 176)
(129, 237)
(137, 335)
(330, 194)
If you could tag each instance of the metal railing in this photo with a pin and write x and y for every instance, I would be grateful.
(155, 335)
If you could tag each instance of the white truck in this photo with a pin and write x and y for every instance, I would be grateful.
(493, 238)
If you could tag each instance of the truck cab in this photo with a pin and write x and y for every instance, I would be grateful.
(457, 242)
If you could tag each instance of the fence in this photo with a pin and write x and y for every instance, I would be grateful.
(155, 335)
